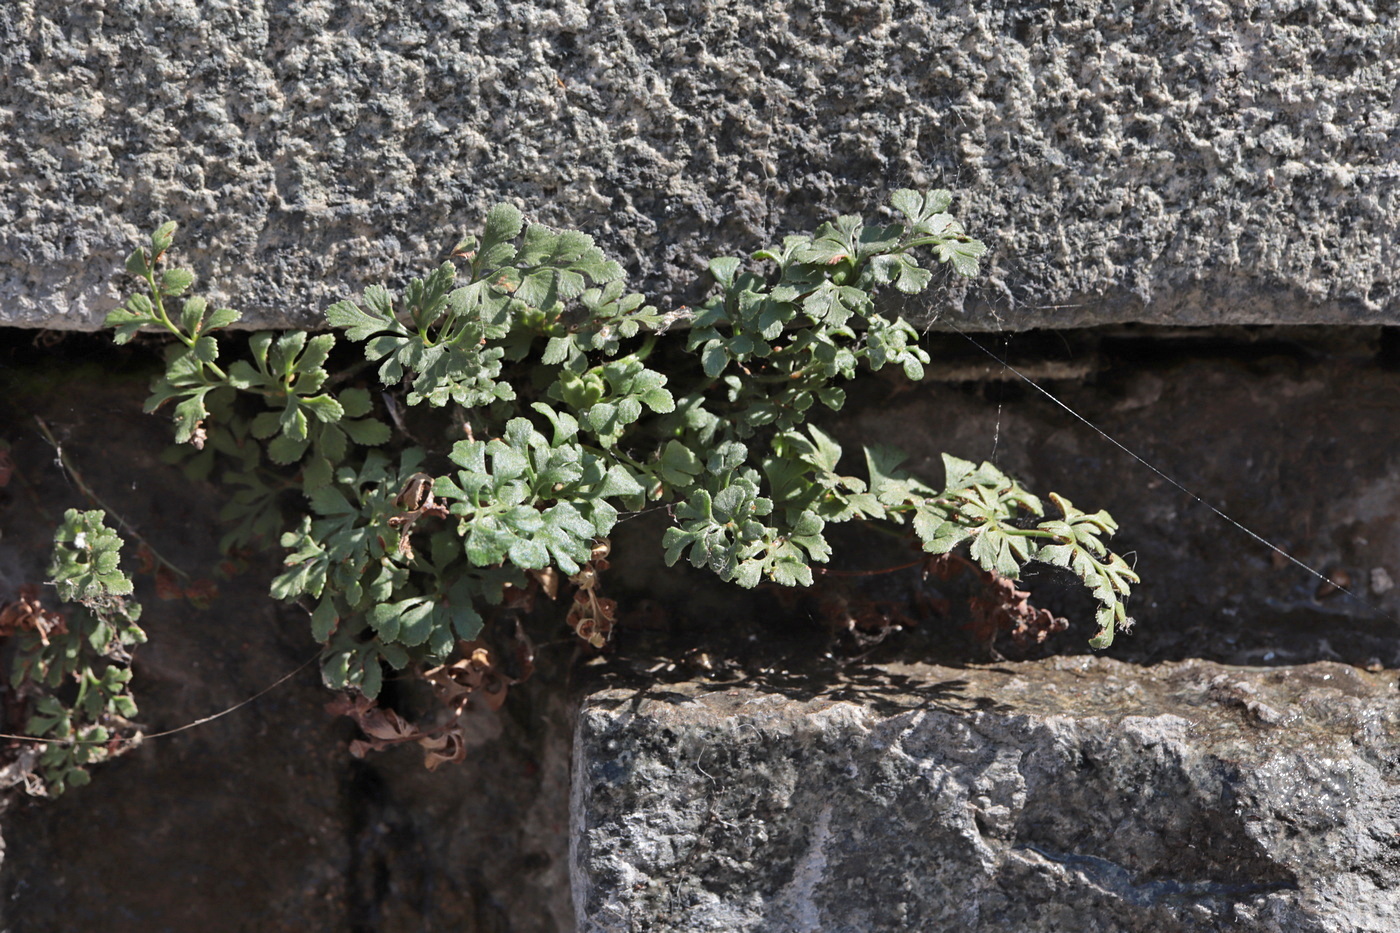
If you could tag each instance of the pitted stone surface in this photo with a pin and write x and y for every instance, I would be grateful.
(1074, 794)
(1188, 161)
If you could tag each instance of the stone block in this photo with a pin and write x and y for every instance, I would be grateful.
(1183, 162)
(1070, 794)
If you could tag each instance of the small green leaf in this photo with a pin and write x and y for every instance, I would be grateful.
(415, 624)
(714, 359)
(371, 678)
(188, 415)
(163, 236)
(529, 554)
(358, 325)
(331, 501)
(920, 206)
(220, 317)
(384, 619)
(659, 400)
(619, 482)
(557, 350)
(729, 503)
(176, 282)
(367, 431)
(356, 402)
(206, 349)
(317, 472)
(963, 254)
(503, 224)
(1107, 621)
(912, 279)
(724, 269)
(324, 407)
(126, 323)
(192, 314)
(139, 262)
(324, 620)
(293, 421)
(283, 449)
(679, 466)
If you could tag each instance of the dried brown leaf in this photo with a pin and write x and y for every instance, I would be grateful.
(448, 747)
(27, 614)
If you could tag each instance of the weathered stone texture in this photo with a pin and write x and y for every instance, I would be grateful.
(1185, 161)
(1074, 794)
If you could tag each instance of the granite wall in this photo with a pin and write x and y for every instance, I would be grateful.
(1180, 162)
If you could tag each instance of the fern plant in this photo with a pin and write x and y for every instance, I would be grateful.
(531, 348)
(74, 667)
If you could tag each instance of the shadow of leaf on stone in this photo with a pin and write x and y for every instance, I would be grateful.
(884, 691)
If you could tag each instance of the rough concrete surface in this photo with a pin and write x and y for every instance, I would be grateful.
(1075, 794)
(1182, 161)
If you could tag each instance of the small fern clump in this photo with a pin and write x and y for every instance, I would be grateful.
(73, 668)
(545, 367)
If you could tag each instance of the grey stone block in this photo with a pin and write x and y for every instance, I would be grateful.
(1075, 794)
(1188, 161)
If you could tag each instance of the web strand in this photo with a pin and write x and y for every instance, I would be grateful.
(1192, 495)
(189, 725)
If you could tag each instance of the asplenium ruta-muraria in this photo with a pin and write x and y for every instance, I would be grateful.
(528, 345)
(73, 667)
